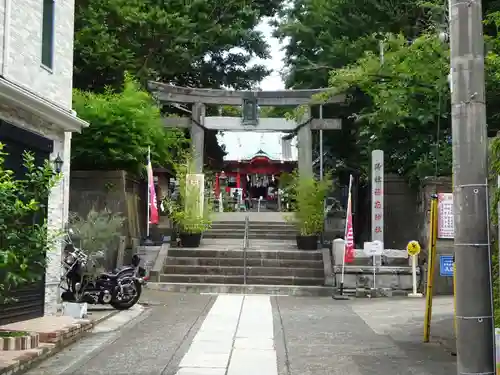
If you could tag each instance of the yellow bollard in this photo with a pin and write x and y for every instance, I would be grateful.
(454, 296)
(430, 266)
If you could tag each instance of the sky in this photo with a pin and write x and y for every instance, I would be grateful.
(242, 145)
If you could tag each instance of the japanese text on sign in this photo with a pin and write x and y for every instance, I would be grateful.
(446, 265)
(378, 195)
(446, 224)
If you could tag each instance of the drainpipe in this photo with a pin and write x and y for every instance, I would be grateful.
(6, 36)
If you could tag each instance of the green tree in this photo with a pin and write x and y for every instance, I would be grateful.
(122, 126)
(407, 112)
(24, 236)
(330, 34)
(200, 43)
(402, 105)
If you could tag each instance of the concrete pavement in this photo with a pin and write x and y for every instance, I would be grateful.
(264, 335)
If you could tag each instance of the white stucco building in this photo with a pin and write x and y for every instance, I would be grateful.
(36, 70)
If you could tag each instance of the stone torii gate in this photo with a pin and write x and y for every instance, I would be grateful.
(250, 121)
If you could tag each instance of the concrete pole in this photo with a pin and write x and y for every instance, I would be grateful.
(198, 136)
(321, 144)
(475, 343)
(304, 146)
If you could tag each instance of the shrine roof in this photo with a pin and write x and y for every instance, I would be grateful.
(245, 146)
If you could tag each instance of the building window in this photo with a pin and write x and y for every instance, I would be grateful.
(48, 33)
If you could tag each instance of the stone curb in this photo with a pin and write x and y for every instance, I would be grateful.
(47, 350)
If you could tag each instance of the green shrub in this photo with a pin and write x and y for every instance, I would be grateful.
(309, 195)
(186, 212)
(97, 230)
(25, 238)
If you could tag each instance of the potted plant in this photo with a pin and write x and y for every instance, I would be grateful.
(190, 211)
(309, 195)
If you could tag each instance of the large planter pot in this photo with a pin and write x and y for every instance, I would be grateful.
(190, 239)
(307, 242)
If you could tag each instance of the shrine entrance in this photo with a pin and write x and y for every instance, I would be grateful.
(253, 176)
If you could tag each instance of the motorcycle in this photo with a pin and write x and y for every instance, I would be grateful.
(84, 280)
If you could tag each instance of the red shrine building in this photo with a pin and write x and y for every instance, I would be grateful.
(257, 176)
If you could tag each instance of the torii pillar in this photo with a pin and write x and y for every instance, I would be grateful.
(198, 136)
(304, 145)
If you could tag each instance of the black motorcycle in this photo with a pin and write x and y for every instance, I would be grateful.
(83, 280)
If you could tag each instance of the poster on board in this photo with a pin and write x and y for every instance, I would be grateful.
(446, 223)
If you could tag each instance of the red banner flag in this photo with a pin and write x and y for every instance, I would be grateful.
(153, 208)
(349, 231)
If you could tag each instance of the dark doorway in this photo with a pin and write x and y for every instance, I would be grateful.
(29, 299)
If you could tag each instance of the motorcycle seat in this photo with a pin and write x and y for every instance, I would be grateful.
(109, 275)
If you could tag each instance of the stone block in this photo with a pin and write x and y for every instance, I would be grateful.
(390, 257)
(328, 267)
(389, 278)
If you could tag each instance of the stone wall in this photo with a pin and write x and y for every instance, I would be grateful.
(401, 216)
(393, 277)
(406, 217)
(401, 213)
(114, 190)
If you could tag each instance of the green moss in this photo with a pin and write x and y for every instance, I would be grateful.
(496, 283)
(13, 333)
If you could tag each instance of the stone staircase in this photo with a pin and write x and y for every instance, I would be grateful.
(273, 263)
(271, 230)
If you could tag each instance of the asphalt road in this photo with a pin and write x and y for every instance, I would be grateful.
(312, 336)
(152, 343)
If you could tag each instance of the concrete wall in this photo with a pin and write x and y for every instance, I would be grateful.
(58, 200)
(22, 49)
(114, 190)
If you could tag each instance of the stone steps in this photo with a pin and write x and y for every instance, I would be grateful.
(239, 271)
(222, 233)
(241, 231)
(206, 288)
(274, 265)
(257, 230)
(250, 254)
(233, 279)
(238, 262)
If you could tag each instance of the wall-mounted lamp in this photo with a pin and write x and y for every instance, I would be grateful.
(58, 163)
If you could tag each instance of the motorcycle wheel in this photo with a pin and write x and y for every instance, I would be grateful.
(125, 305)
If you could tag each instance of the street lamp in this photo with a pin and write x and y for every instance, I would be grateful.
(58, 163)
(444, 37)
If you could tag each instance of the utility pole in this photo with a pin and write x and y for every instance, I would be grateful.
(475, 332)
(321, 144)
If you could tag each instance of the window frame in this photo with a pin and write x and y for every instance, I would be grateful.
(48, 36)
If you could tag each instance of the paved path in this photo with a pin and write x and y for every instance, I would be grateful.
(260, 335)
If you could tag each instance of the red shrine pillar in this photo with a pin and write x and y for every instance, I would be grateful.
(238, 178)
(217, 185)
